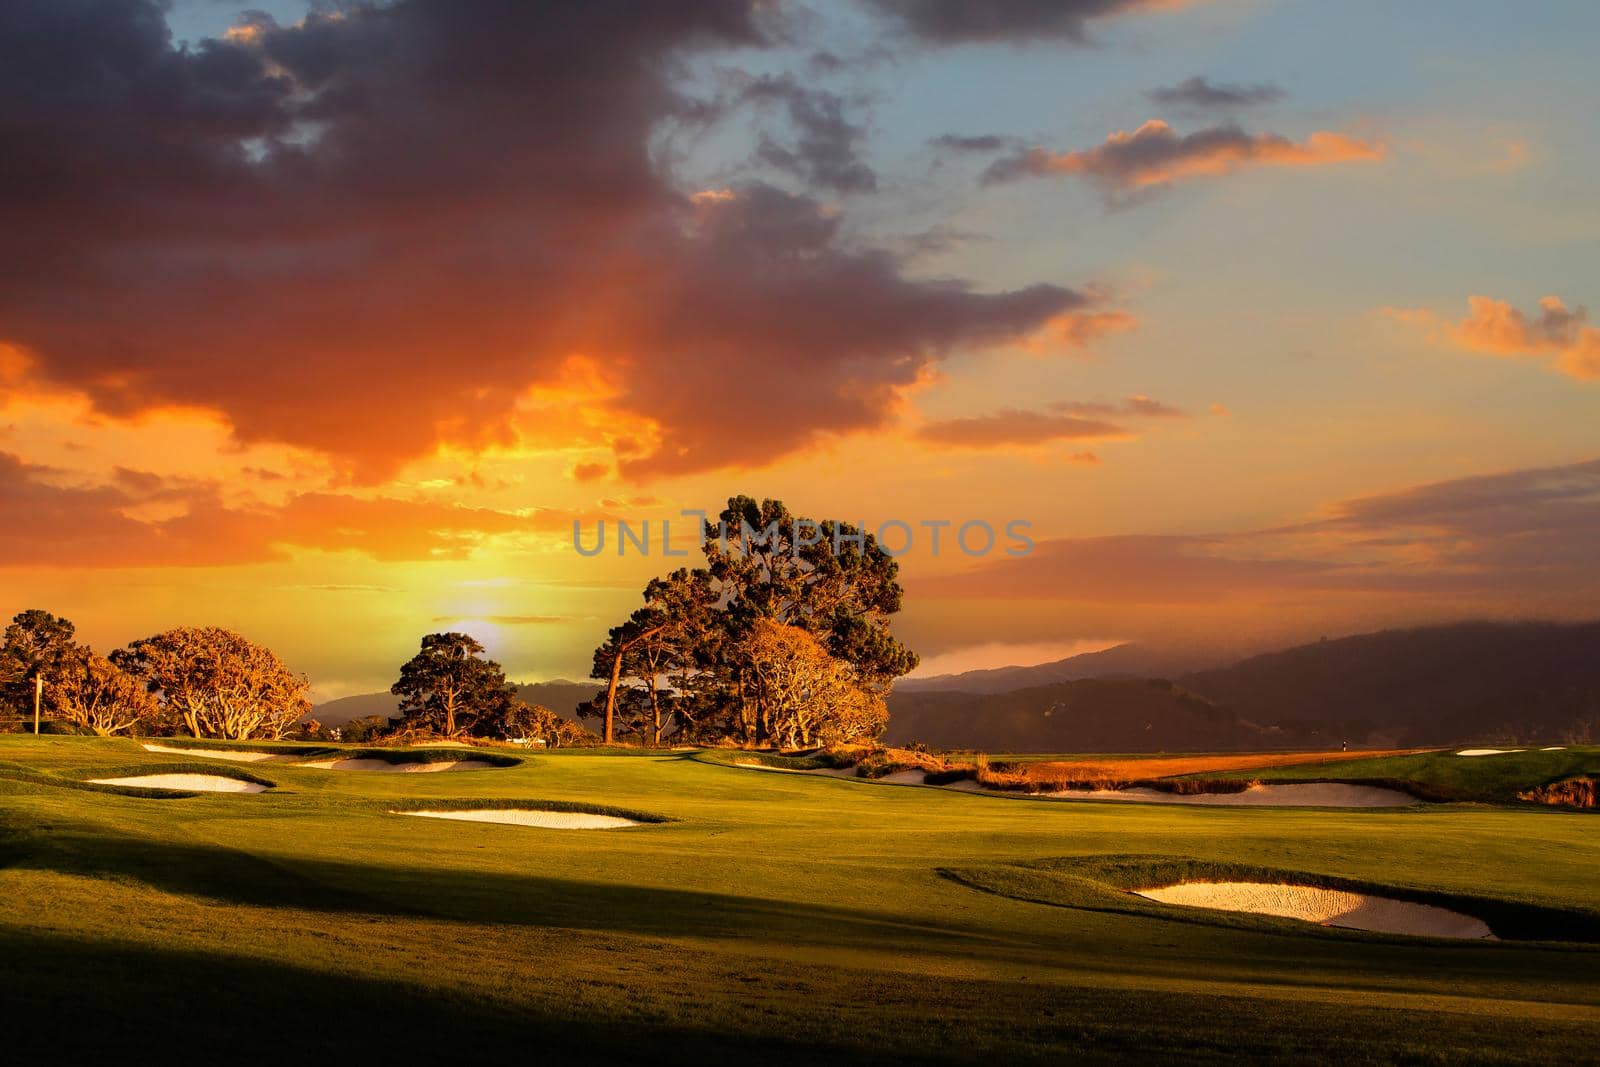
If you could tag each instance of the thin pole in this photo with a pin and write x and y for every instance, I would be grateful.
(38, 691)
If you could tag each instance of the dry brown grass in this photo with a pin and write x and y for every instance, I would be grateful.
(1113, 773)
(1571, 793)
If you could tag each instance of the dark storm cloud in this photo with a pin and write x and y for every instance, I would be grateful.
(826, 151)
(955, 142)
(1198, 94)
(371, 232)
(951, 22)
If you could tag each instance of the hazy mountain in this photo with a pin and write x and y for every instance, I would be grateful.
(561, 697)
(1086, 715)
(1520, 682)
(1503, 682)
(1122, 661)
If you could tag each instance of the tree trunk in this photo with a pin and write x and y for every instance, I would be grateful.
(655, 714)
(611, 695)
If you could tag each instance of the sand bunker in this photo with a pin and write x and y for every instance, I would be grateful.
(1327, 907)
(549, 820)
(1554, 748)
(197, 783)
(413, 767)
(910, 777)
(1307, 794)
(1488, 751)
(236, 756)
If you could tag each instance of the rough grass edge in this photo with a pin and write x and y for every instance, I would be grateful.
(1119, 877)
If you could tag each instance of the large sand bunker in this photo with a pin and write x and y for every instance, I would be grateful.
(549, 820)
(234, 755)
(409, 767)
(1327, 907)
(194, 783)
(1302, 794)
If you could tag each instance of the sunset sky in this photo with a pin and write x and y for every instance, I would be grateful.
(325, 322)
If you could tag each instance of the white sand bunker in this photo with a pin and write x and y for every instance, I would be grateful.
(1327, 907)
(413, 767)
(1487, 751)
(1305, 794)
(195, 783)
(233, 755)
(549, 820)
(1554, 748)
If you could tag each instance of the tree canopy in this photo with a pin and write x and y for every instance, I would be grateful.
(448, 687)
(698, 661)
(79, 686)
(218, 683)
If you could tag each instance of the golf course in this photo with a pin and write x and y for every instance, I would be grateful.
(675, 906)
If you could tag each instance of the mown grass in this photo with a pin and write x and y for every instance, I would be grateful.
(1444, 775)
(784, 918)
(1105, 882)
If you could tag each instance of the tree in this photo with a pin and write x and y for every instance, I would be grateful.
(803, 695)
(366, 729)
(688, 649)
(95, 693)
(35, 647)
(448, 688)
(537, 722)
(218, 683)
(827, 577)
(658, 639)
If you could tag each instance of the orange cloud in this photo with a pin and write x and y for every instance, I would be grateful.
(142, 520)
(1011, 427)
(1559, 334)
(1078, 330)
(1155, 154)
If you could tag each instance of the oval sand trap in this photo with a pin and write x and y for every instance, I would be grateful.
(197, 783)
(1304, 794)
(384, 766)
(549, 820)
(1487, 751)
(1326, 907)
(236, 756)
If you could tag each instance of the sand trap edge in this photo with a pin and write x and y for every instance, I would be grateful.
(186, 782)
(1110, 882)
(480, 809)
(1342, 908)
(541, 818)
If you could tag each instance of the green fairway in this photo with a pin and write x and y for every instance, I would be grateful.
(790, 917)
(1445, 775)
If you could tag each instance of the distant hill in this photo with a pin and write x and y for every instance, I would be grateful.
(561, 697)
(1086, 715)
(1518, 683)
(1510, 682)
(1122, 661)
